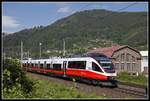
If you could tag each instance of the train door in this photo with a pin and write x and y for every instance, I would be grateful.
(64, 68)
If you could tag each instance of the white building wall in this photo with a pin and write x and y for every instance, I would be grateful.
(144, 61)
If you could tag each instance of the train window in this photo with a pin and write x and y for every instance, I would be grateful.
(77, 64)
(27, 64)
(45, 64)
(57, 66)
(32, 64)
(23, 64)
(48, 66)
(95, 67)
(41, 65)
(36, 65)
(109, 67)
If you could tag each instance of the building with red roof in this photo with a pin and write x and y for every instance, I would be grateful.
(125, 58)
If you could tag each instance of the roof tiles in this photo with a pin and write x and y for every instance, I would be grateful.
(108, 51)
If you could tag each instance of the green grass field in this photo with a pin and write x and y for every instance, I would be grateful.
(47, 89)
(139, 80)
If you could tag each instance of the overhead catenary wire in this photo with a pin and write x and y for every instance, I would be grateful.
(108, 15)
(111, 12)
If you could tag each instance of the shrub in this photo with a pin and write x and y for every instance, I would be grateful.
(14, 78)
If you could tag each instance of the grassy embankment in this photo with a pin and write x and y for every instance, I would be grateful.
(138, 80)
(47, 89)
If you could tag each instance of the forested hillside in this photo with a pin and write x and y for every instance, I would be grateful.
(82, 31)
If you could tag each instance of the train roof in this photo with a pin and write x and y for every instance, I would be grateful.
(59, 59)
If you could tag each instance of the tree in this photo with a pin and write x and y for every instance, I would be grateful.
(14, 77)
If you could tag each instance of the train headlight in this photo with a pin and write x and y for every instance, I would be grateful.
(111, 78)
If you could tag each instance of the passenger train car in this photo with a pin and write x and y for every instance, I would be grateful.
(98, 70)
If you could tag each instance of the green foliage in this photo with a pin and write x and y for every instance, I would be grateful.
(126, 77)
(48, 89)
(80, 29)
(15, 81)
(14, 92)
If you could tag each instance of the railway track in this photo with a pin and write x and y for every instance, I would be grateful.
(131, 90)
(132, 84)
(122, 91)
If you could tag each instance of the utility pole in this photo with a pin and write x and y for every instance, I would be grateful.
(4, 55)
(28, 54)
(40, 49)
(63, 47)
(21, 52)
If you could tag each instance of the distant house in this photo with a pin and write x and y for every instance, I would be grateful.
(124, 57)
(144, 62)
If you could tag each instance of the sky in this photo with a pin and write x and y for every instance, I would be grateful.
(17, 16)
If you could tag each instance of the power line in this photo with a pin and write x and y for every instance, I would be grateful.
(85, 6)
(118, 10)
(111, 12)
(82, 7)
(21, 52)
(127, 6)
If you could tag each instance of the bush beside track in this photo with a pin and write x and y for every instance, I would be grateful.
(15, 82)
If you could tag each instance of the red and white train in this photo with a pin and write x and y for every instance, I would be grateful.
(95, 69)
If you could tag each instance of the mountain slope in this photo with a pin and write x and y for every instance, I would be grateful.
(83, 31)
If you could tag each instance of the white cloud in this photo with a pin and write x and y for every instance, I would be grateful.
(64, 10)
(9, 22)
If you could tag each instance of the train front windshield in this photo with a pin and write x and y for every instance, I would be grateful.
(106, 64)
(108, 67)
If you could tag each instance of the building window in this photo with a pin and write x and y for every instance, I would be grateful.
(77, 64)
(145, 58)
(127, 57)
(145, 69)
(117, 65)
(122, 66)
(117, 58)
(128, 66)
(133, 59)
(133, 66)
(122, 57)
